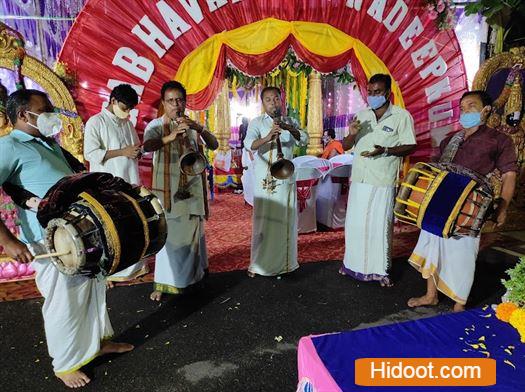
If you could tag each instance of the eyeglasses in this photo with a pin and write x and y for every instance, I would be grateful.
(175, 101)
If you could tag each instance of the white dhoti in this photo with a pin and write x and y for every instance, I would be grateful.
(183, 260)
(76, 320)
(450, 262)
(274, 233)
(130, 273)
(368, 232)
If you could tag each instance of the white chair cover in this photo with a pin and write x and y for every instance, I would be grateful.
(301, 160)
(307, 179)
(342, 159)
(247, 178)
(332, 196)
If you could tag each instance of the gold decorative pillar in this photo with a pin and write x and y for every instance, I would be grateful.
(223, 130)
(315, 114)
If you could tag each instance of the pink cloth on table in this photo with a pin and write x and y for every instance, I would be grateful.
(311, 369)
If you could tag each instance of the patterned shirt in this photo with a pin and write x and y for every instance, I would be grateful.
(485, 150)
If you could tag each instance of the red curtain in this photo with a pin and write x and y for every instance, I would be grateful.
(105, 25)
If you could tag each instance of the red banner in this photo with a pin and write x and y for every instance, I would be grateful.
(109, 45)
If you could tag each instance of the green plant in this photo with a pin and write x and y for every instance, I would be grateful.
(497, 12)
(516, 283)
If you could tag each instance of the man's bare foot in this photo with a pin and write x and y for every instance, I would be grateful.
(77, 379)
(115, 348)
(109, 284)
(422, 301)
(251, 274)
(386, 282)
(458, 307)
(156, 295)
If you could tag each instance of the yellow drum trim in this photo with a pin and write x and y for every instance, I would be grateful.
(409, 203)
(426, 175)
(414, 188)
(457, 208)
(431, 167)
(143, 219)
(412, 214)
(428, 196)
(404, 218)
(109, 227)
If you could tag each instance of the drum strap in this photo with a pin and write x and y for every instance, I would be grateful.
(452, 147)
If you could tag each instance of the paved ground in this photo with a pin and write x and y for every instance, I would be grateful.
(224, 338)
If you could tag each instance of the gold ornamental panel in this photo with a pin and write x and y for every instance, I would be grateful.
(71, 137)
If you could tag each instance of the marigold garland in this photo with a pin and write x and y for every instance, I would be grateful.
(505, 310)
(517, 320)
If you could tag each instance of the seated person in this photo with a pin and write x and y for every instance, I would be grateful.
(332, 147)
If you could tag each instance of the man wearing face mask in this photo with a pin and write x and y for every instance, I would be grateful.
(111, 145)
(274, 226)
(183, 261)
(448, 265)
(74, 311)
(381, 136)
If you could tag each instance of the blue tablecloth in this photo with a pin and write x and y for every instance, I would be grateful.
(445, 336)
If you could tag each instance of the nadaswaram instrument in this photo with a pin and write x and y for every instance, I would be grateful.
(282, 168)
(192, 162)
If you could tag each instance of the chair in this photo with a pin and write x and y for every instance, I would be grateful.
(307, 179)
(248, 178)
(310, 161)
(332, 196)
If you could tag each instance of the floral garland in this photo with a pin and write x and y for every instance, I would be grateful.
(290, 64)
(442, 12)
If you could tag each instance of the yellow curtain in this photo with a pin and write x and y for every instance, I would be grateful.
(197, 68)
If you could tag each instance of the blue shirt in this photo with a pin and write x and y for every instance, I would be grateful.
(35, 165)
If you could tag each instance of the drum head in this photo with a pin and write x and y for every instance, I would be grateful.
(64, 243)
(62, 237)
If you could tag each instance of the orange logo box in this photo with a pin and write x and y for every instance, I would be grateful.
(425, 372)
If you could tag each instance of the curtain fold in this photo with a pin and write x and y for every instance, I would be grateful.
(254, 36)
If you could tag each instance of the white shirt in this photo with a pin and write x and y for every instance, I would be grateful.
(104, 132)
(260, 127)
(394, 128)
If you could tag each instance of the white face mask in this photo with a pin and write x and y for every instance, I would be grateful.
(48, 124)
(122, 114)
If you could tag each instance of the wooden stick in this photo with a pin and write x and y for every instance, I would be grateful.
(56, 254)
(5, 258)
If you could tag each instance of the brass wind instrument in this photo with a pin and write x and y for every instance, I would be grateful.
(281, 168)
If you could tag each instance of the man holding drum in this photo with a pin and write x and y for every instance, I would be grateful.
(76, 321)
(381, 135)
(448, 264)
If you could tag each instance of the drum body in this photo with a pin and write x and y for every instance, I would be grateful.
(107, 231)
(444, 200)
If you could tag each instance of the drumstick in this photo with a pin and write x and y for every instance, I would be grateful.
(56, 254)
(43, 256)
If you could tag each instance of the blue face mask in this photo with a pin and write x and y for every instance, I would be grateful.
(376, 101)
(470, 120)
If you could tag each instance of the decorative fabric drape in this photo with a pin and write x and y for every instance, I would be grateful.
(254, 35)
